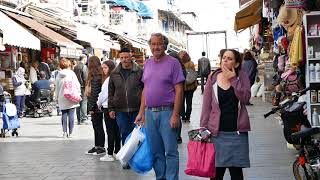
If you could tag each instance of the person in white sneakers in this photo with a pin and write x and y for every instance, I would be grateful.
(111, 124)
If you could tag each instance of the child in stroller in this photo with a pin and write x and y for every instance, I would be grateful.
(9, 114)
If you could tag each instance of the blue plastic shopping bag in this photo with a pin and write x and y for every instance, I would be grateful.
(142, 160)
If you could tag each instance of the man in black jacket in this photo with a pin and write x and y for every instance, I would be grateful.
(81, 70)
(204, 69)
(124, 96)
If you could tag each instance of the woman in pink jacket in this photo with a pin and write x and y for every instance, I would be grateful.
(225, 115)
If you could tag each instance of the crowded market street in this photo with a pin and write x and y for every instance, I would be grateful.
(41, 153)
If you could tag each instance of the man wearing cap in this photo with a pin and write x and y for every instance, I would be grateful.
(125, 88)
(160, 106)
(81, 70)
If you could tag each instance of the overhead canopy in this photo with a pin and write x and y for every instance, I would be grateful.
(46, 32)
(16, 35)
(93, 36)
(248, 15)
(131, 4)
(144, 11)
(134, 43)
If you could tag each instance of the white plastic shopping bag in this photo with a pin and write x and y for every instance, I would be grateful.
(133, 141)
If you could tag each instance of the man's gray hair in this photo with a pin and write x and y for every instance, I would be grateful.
(165, 39)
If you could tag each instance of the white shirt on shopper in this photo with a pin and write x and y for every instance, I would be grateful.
(103, 95)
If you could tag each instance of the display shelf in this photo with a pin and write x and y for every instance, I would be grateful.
(311, 21)
(314, 59)
(310, 37)
(315, 104)
(314, 82)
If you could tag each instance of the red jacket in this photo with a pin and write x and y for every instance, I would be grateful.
(210, 115)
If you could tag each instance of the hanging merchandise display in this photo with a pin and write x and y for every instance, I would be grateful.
(296, 48)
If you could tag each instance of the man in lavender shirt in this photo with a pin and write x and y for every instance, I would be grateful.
(160, 106)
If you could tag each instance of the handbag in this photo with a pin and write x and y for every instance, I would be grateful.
(201, 156)
(133, 141)
(191, 76)
(71, 92)
(142, 160)
(201, 159)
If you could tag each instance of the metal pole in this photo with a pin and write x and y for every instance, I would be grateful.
(226, 41)
(206, 44)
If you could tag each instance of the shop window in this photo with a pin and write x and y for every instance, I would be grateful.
(165, 26)
(116, 16)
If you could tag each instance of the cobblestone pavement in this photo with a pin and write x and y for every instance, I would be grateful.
(41, 153)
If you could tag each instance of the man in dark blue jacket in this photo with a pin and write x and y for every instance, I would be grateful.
(43, 83)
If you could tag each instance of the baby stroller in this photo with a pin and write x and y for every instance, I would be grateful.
(9, 114)
(40, 103)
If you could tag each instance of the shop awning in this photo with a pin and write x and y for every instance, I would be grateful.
(248, 15)
(131, 4)
(16, 35)
(93, 36)
(115, 45)
(48, 33)
(144, 11)
(134, 43)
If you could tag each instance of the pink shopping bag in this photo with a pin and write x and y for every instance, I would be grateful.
(71, 91)
(201, 159)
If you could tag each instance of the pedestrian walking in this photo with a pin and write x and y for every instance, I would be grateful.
(204, 69)
(188, 88)
(225, 115)
(160, 106)
(81, 70)
(43, 66)
(34, 72)
(125, 88)
(66, 106)
(20, 90)
(111, 124)
(92, 90)
(249, 66)
(182, 113)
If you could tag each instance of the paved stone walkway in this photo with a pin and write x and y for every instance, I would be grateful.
(40, 152)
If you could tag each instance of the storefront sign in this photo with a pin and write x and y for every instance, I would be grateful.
(70, 53)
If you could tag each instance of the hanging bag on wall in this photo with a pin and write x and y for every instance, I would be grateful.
(296, 48)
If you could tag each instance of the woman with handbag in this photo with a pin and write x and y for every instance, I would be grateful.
(225, 115)
(189, 87)
(113, 133)
(66, 104)
(94, 82)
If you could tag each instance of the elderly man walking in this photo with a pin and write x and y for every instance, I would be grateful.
(160, 106)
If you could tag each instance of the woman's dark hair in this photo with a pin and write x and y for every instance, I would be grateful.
(94, 70)
(221, 53)
(110, 65)
(237, 57)
(248, 56)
